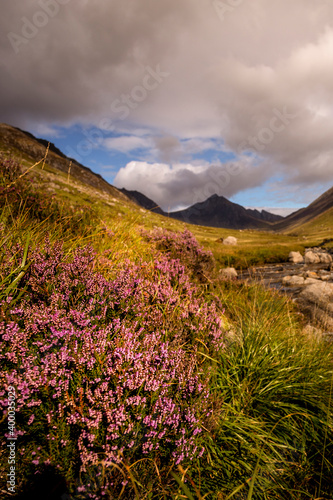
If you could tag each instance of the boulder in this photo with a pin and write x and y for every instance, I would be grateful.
(318, 293)
(317, 300)
(230, 241)
(311, 258)
(296, 258)
(325, 258)
(293, 281)
(311, 281)
(228, 273)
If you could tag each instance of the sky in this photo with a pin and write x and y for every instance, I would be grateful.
(179, 99)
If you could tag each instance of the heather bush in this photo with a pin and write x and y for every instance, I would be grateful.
(183, 246)
(106, 371)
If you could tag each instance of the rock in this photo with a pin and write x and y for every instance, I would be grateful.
(324, 275)
(228, 273)
(230, 241)
(293, 281)
(318, 293)
(317, 300)
(295, 258)
(317, 255)
(311, 258)
(311, 281)
(325, 258)
(311, 274)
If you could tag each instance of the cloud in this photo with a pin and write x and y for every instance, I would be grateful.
(126, 144)
(180, 185)
(228, 77)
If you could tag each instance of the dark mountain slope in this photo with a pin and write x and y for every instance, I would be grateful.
(217, 211)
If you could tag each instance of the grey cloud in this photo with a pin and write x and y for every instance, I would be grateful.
(226, 78)
(169, 148)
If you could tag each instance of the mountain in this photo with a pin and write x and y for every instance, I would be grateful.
(143, 201)
(217, 211)
(15, 140)
(264, 215)
(307, 214)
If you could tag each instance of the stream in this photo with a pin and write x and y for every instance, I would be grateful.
(311, 287)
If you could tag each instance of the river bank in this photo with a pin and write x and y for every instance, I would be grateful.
(308, 284)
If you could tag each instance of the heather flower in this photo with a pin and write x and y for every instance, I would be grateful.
(107, 367)
(199, 263)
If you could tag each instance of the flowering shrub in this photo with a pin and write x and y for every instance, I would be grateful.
(105, 369)
(197, 261)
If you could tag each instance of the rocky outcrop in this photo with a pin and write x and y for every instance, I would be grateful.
(311, 258)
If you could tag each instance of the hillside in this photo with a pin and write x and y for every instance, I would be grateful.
(307, 214)
(23, 143)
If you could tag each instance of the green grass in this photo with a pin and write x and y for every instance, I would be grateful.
(276, 387)
(271, 433)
